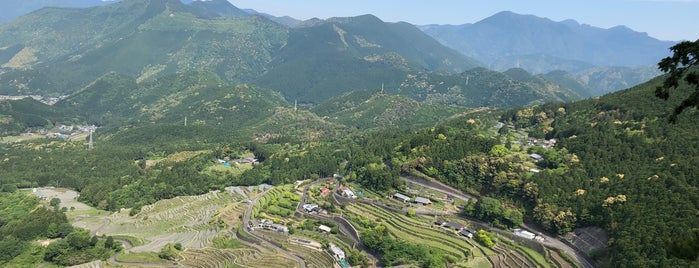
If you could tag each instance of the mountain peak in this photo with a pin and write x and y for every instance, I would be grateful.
(221, 8)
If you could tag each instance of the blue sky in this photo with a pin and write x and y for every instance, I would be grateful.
(662, 19)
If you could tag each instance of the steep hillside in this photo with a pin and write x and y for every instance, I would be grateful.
(327, 58)
(371, 109)
(221, 8)
(480, 87)
(12, 9)
(603, 80)
(202, 97)
(634, 173)
(58, 50)
(16, 116)
(508, 34)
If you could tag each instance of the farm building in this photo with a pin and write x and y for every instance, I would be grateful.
(327, 229)
(267, 225)
(536, 157)
(348, 193)
(423, 201)
(344, 191)
(311, 208)
(524, 233)
(466, 232)
(336, 251)
(453, 225)
(401, 197)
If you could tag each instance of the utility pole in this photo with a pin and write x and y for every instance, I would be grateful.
(90, 146)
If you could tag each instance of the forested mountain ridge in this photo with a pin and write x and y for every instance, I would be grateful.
(54, 50)
(507, 34)
(16, 8)
(603, 60)
(139, 38)
(327, 58)
(311, 63)
(203, 97)
(636, 174)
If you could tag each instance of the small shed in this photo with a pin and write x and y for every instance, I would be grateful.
(453, 225)
(311, 207)
(327, 229)
(536, 157)
(466, 232)
(336, 251)
(348, 193)
(324, 191)
(423, 201)
(524, 233)
(401, 197)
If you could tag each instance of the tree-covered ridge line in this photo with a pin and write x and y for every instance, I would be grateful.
(150, 40)
(25, 219)
(636, 173)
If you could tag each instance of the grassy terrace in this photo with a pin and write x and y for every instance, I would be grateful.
(313, 258)
(416, 231)
(211, 257)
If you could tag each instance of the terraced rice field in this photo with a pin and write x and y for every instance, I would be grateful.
(416, 231)
(509, 258)
(189, 220)
(217, 258)
(558, 260)
(313, 258)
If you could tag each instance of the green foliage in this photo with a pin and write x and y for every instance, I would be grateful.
(11, 247)
(169, 252)
(681, 66)
(77, 248)
(365, 109)
(630, 163)
(397, 252)
(499, 150)
(484, 238)
(16, 116)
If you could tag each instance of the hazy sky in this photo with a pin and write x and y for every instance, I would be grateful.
(662, 19)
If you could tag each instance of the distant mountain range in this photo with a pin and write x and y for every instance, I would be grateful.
(508, 40)
(12, 9)
(57, 51)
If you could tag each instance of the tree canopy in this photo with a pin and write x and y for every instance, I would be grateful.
(681, 66)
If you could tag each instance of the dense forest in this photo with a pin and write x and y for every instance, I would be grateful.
(617, 164)
(24, 219)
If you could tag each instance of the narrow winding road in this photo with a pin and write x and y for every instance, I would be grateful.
(246, 226)
(549, 241)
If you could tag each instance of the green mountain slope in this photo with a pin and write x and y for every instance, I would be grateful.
(635, 174)
(480, 87)
(507, 34)
(18, 115)
(140, 38)
(327, 58)
(202, 97)
(370, 109)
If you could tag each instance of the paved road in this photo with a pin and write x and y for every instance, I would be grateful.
(246, 226)
(548, 241)
(344, 225)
